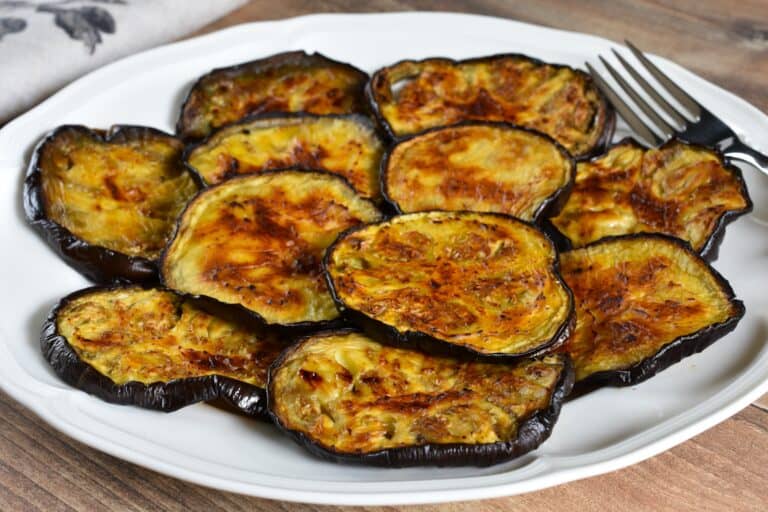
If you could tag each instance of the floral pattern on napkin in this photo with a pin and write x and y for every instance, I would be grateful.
(82, 23)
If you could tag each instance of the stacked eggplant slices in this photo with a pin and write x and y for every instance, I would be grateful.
(411, 268)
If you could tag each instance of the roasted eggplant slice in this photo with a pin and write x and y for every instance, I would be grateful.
(153, 348)
(345, 145)
(348, 398)
(643, 303)
(482, 167)
(678, 189)
(107, 202)
(257, 241)
(475, 283)
(412, 96)
(285, 82)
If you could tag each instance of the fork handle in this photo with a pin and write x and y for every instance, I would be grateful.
(743, 153)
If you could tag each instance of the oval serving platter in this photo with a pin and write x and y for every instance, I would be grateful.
(253, 458)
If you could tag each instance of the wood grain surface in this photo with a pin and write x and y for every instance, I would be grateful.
(724, 468)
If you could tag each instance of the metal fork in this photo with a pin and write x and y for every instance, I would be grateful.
(695, 124)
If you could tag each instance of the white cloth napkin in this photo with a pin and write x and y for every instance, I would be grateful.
(45, 44)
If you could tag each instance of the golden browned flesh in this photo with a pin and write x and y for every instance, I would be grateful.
(344, 145)
(479, 167)
(634, 296)
(559, 101)
(258, 241)
(679, 189)
(123, 195)
(290, 82)
(133, 334)
(481, 281)
(350, 394)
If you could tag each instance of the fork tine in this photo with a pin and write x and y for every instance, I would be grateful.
(661, 124)
(632, 119)
(658, 98)
(672, 88)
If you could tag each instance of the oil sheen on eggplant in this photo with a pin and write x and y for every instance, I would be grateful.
(643, 302)
(285, 82)
(348, 398)
(257, 241)
(107, 202)
(485, 167)
(346, 145)
(412, 96)
(153, 348)
(480, 283)
(678, 189)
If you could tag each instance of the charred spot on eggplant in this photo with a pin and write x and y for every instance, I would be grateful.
(258, 240)
(475, 283)
(679, 189)
(479, 166)
(348, 398)
(643, 303)
(411, 96)
(285, 82)
(153, 348)
(107, 202)
(347, 145)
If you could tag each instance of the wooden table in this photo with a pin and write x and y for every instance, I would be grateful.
(724, 468)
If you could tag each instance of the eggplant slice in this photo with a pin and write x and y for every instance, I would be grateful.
(479, 166)
(480, 284)
(411, 96)
(679, 189)
(285, 82)
(346, 145)
(257, 241)
(155, 349)
(643, 303)
(107, 202)
(348, 398)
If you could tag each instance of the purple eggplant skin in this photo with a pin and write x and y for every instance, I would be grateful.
(98, 264)
(532, 432)
(676, 350)
(548, 208)
(609, 123)
(387, 334)
(299, 57)
(161, 396)
(711, 248)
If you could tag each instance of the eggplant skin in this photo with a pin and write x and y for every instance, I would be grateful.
(680, 189)
(643, 303)
(479, 166)
(256, 242)
(558, 100)
(120, 257)
(348, 145)
(198, 374)
(482, 285)
(285, 82)
(347, 398)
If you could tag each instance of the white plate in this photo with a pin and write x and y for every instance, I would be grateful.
(606, 430)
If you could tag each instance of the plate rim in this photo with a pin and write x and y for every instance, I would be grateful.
(43, 400)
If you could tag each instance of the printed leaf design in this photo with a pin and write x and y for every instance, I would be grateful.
(11, 25)
(99, 18)
(83, 23)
